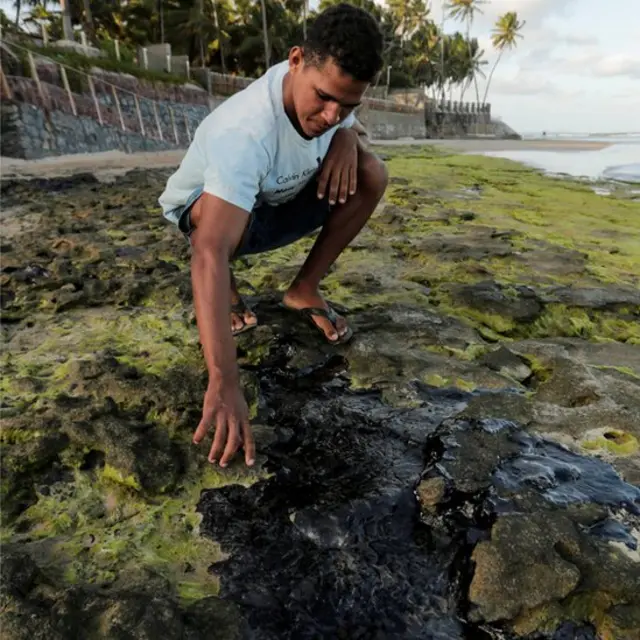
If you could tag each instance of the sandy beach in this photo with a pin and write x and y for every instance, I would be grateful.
(111, 163)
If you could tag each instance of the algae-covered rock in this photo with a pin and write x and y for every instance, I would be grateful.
(481, 291)
(34, 608)
(517, 304)
(507, 363)
(548, 552)
(519, 568)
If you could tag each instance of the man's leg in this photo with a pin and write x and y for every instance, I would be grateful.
(342, 226)
(241, 316)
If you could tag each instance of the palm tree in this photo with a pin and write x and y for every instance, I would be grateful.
(67, 29)
(505, 36)
(465, 11)
(89, 26)
(305, 11)
(442, 46)
(474, 61)
(265, 33)
(220, 35)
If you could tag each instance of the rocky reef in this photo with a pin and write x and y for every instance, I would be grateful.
(467, 467)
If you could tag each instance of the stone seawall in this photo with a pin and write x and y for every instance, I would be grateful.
(390, 125)
(35, 128)
(39, 121)
(30, 133)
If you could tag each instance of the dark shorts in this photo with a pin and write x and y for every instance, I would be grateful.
(271, 227)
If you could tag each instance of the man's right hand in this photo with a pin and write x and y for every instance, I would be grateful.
(218, 228)
(225, 408)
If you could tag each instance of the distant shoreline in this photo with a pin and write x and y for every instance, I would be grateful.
(482, 145)
(115, 162)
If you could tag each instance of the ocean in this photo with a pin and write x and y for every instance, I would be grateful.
(620, 161)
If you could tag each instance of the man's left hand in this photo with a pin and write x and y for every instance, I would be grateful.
(340, 167)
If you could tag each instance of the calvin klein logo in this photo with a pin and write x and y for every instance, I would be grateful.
(294, 177)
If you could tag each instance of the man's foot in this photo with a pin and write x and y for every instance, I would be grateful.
(312, 304)
(242, 318)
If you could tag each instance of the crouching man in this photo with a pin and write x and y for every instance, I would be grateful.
(272, 164)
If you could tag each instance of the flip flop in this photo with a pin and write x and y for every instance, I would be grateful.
(309, 312)
(239, 308)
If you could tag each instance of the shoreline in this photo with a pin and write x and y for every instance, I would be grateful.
(108, 164)
(482, 145)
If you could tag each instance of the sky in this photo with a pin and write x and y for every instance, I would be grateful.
(577, 69)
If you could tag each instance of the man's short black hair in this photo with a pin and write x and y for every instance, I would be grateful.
(349, 35)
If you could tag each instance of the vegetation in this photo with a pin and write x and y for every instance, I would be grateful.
(104, 375)
(245, 37)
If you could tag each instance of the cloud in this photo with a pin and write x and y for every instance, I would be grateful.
(535, 12)
(596, 64)
(618, 65)
(532, 84)
(575, 40)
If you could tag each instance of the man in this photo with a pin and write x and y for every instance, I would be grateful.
(270, 165)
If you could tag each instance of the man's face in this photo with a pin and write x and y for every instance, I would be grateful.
(322, 96)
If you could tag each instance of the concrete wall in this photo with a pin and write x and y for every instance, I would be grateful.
(32, 128)
(38, 123)
(28, 132)
(389, 125)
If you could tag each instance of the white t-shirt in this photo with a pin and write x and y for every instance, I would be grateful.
(246, 151)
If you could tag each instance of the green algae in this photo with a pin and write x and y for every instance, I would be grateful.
(627, 371)
(101, 525)
(541, 370)
(537, 207)
(104, 521)
(470, 353)
(613, 441)
(436, 380)
(153, 345)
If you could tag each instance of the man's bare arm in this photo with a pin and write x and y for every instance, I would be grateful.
(218, 230)
(219, 227)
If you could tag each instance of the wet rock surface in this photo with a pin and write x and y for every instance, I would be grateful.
(466, 468)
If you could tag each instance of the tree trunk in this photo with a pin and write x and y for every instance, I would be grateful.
(463, 88)
(223, 62)
(304, 20)
(89, 28)
(200, 28)
(442, 4)
(18, 9)
(475, 80)
(67, 28)
(265, 34)
(486, 91)
(161, 12)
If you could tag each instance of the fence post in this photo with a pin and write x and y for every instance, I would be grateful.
(34, 73)
(95, 98)
(115, 99)
(168, 63)
(83, 40)
(173, 125)
(6, 89)
(155, 113)
(188, 69)
(145, 58)
(135, 97)
(186, 126)
(67, 88)
(116, 43)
